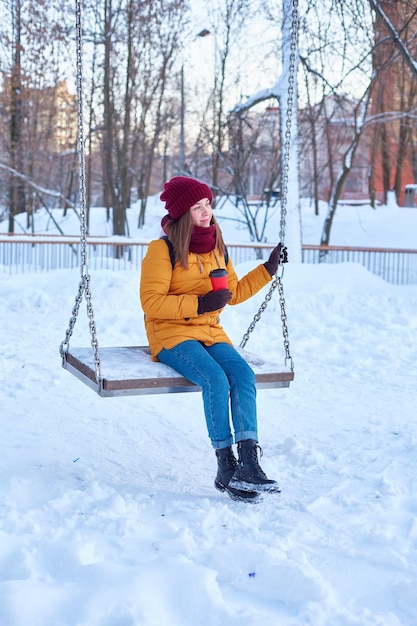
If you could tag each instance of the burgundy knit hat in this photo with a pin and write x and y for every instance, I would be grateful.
(181, 193)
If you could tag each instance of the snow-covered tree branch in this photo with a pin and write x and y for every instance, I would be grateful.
(42, 190)
(280, 91)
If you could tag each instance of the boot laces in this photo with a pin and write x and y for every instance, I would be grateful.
(253, 456)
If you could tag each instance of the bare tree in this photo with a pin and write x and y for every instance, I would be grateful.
(16, 185)
(280, 91)
(39, 109)
(139, 43)
(227, 22)
(360, 119)
(253, 160)
(153, 101)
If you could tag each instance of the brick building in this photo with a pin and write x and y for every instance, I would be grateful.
(393, 136)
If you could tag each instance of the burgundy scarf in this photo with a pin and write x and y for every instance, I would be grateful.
(202, 239)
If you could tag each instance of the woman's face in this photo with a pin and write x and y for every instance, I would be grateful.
(201, 213)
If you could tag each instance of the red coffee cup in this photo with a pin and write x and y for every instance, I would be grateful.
(219, 279)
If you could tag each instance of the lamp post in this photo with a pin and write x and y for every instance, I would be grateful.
(182, 114)
(202, 33)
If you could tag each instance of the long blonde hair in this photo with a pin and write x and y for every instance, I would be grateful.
(179, 233)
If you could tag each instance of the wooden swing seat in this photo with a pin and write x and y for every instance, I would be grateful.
(129, 371)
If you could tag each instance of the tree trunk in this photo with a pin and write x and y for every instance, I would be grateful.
(16, 185)
(122, 202)
(108, 121)
(407, 101)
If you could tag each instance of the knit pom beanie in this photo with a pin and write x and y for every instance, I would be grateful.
(181, 193)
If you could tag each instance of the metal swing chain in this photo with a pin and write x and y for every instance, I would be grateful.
(277, 282)
(84, 285)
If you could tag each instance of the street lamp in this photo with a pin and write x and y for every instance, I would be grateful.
(202, 33)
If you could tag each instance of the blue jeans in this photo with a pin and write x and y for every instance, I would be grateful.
(222, 374)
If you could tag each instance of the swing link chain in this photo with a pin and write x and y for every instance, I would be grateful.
(288, 358)
(84, 285)
(277, 281)
(288, 121)
(257, 315)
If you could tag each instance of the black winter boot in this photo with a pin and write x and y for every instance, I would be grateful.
(226, 466)
(249, 474)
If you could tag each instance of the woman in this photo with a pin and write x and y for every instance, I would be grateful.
(184, 331)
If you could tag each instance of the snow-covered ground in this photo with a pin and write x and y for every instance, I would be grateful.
(108, 514)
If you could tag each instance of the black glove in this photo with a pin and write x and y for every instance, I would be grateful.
(213, 300)
(277, 256)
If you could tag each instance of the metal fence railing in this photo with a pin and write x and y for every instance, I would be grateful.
(23, 254)
(19, 254)
(392, 264)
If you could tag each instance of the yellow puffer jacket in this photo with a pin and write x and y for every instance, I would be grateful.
(169, 297)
